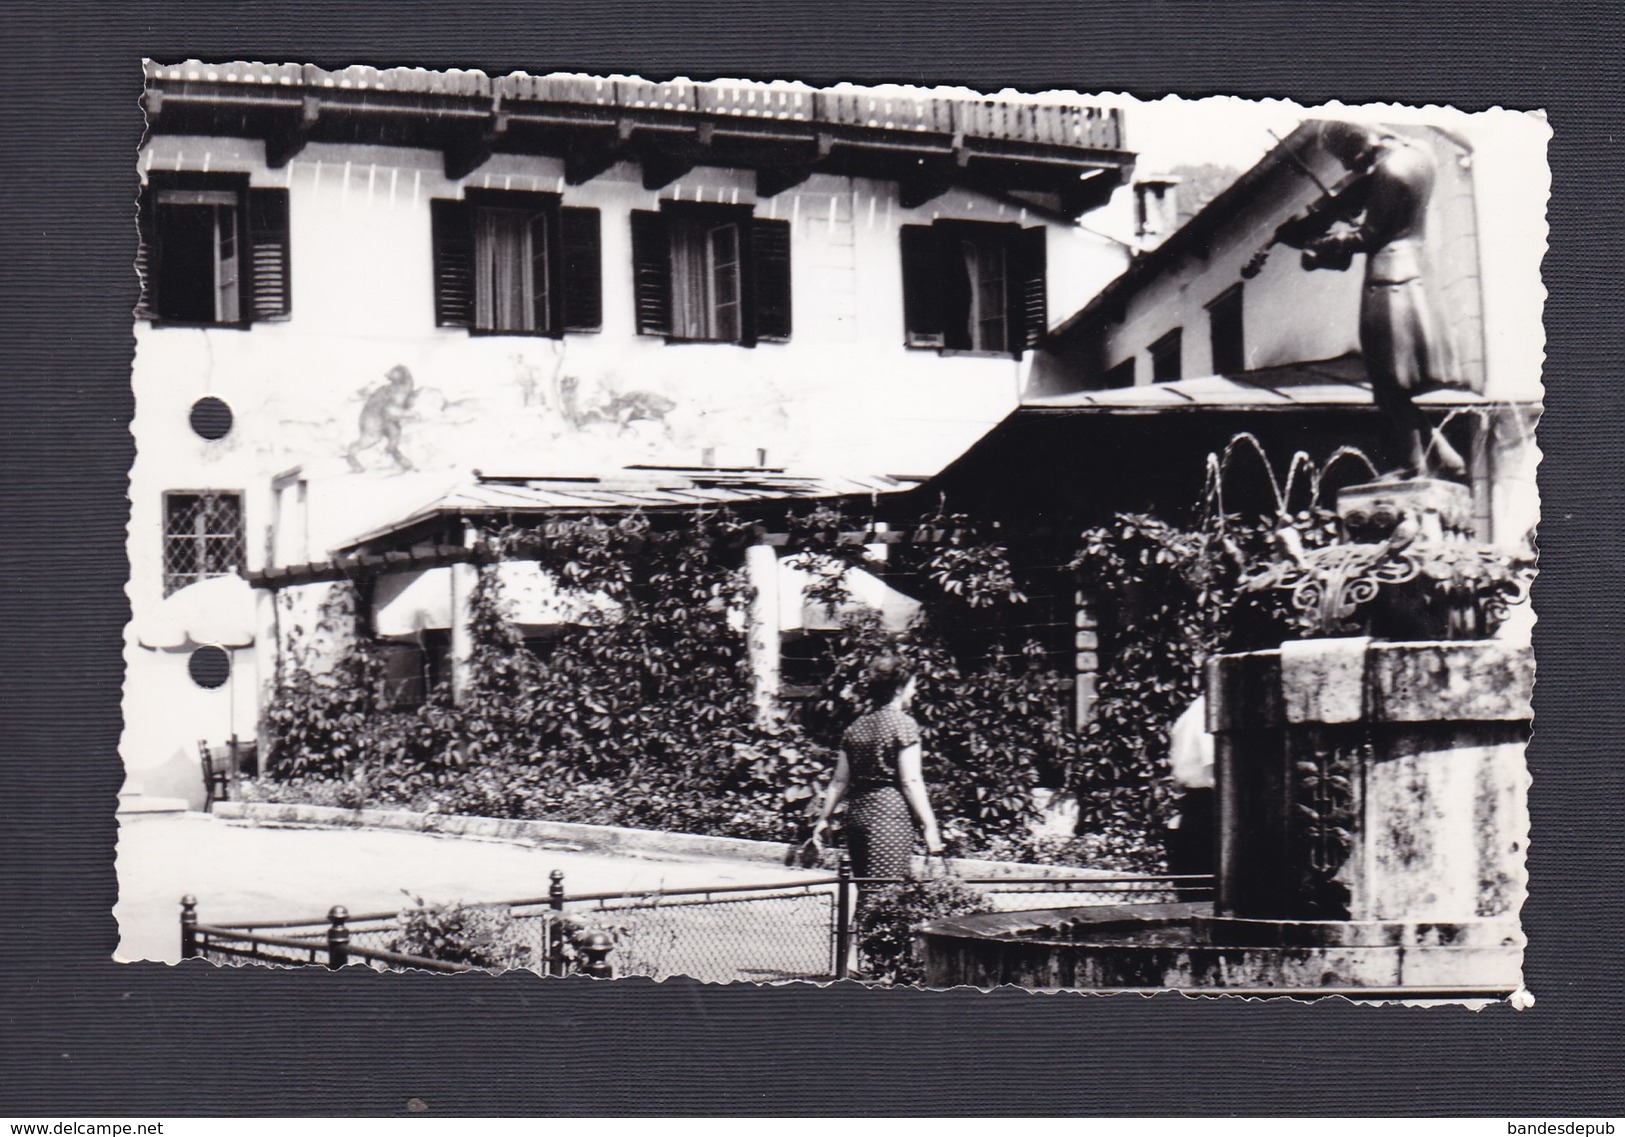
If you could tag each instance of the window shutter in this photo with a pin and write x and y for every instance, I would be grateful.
(1032, 257)
(145, 261)
(270, 286)
(651, 272)
(581, 270)
(922, 286)
(770, 257)
(451, 223)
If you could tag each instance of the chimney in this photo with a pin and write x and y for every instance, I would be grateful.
(1156, 208)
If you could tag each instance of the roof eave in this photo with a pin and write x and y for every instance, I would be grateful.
(1236, 196)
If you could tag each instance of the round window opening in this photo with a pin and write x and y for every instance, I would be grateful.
(211, 418)
(209, 666)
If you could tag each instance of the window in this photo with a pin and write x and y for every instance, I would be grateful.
(516, 264)
(1119, 375)
(542, 642)
(1225, 329)
(203, 537)
(973, 286)
(1165, 361)
(412, 671)
(212, 251)
(711, 273)
(806, 661)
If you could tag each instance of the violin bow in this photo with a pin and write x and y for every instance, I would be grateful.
(1298, 163)
(1255, 263)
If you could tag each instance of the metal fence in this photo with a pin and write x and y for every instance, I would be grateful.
(800, 929)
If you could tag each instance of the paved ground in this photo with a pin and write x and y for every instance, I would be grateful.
(240, 872)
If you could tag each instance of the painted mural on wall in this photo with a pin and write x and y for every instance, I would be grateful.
(531, 411)
(383, 412)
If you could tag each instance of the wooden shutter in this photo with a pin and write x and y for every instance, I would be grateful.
(145, 262)
(270, 285)
(770, 263)
(452, 227)
(651, 272)
(581, 275)
(1030, 323)
(922, 286)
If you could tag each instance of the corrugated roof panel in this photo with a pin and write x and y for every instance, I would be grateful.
(664, 489)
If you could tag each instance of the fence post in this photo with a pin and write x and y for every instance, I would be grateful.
(555, 926)
(188, 926)
(338, 937)
(596, 948)
(843, 915)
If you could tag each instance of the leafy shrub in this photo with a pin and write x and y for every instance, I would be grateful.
(358, 791)
(643, 714)
(992, 717)
(890, 915)
(1175, 602)
(327, 695)
(1124, 849)
(479, 935)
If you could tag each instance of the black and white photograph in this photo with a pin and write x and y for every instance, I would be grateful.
(771, 533)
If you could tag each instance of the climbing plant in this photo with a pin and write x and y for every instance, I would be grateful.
(320, 721)
(643, 711)
(991, 709)
(1169, 601)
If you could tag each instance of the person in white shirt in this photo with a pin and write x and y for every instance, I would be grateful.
(1190, 837)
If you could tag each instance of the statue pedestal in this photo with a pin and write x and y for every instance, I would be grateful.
(1371, 803)
(1440, 509)
(1372, 823)
(1372, 807)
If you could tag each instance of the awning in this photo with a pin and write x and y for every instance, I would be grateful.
(407, 603)
(798, 612)
(219, 610)
(535, 599)
(1327, 384)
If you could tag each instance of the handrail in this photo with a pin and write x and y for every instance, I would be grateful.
(1171, 882)
(698, 890)
(384, 956)
(253, 937)
(314, 946)
(667, 900)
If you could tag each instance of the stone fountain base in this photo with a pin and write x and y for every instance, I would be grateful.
(1172, 946)
(1372, 826)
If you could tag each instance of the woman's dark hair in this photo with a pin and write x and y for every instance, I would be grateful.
(888, 674)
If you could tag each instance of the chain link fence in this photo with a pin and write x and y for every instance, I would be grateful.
(734, 933)
(752, 935)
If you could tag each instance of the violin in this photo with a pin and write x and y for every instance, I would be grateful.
(1333, 203)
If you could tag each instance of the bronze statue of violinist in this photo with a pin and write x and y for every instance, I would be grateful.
(1381, 211)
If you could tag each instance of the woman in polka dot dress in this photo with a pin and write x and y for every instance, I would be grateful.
(879, 771)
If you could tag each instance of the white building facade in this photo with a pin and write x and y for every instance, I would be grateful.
(394, 279)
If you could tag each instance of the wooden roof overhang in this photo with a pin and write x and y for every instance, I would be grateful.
(783, 132)
(434, 536)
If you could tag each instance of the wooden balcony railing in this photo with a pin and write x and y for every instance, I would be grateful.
(904, 110)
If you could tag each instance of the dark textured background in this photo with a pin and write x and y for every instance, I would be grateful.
(80, 1035)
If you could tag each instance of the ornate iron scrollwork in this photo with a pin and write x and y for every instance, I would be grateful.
(1329, 585)
(1467, 586)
